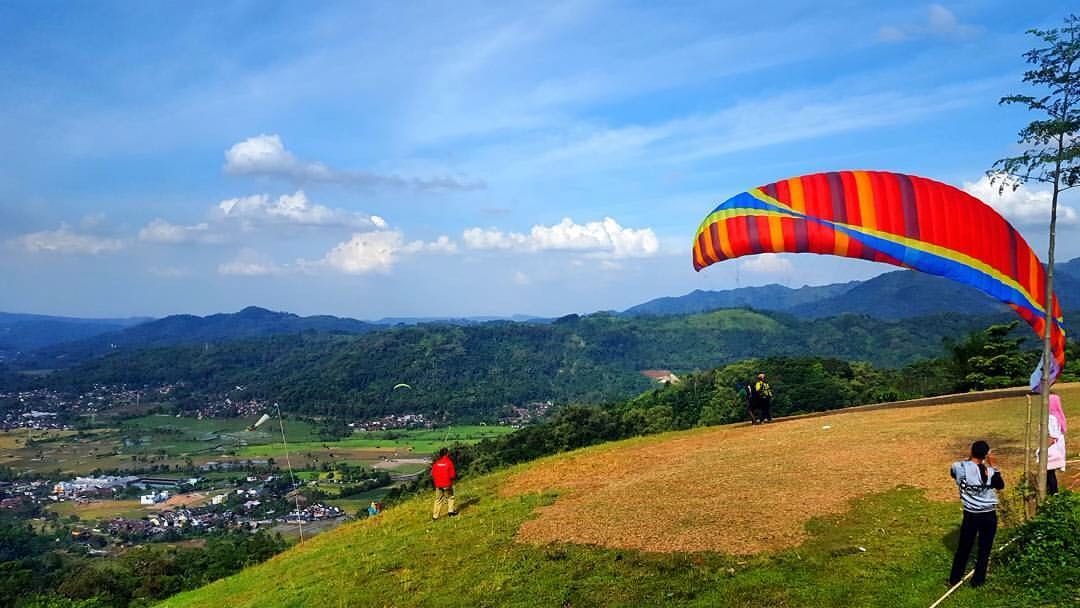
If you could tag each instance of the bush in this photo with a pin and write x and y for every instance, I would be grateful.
(1045, 557)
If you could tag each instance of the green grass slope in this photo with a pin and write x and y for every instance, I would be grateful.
(890, 548)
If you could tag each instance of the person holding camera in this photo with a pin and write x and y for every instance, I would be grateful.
(978, 481)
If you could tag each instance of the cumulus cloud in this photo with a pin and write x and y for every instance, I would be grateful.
(377, 252)
(64, 240)
(250, 263)
(604, 237)
(293, 209)
(443, 244)
(266, 155)
(161, 231)
(366, 252)
(767, 263)
(1022, 205)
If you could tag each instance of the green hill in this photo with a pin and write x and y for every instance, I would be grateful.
(475, 371)
(798, 513)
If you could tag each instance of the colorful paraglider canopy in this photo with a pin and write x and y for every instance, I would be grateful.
(897, 219)
(402, 385)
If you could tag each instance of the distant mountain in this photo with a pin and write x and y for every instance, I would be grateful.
(900, 294)
(1071, 268)
(251, 322)
(768, 297)
(476, 370)
(458, 320)
(23, 332)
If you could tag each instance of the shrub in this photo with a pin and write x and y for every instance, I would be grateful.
(1045, 557)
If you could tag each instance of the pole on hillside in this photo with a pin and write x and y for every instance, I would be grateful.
(1044, 413)
(1027, 462)
(292, 478)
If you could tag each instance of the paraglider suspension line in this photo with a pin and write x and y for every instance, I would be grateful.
(292, 477)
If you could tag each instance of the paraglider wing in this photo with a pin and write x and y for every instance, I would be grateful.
(402, 385)
(897, 219)
(261, 421)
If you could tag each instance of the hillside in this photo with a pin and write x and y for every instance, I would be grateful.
(900, 295)
(22, 332)
(767, 297)
(51, 342)
(251, 322)
(893, 295)
(792, 514)
(476, 370)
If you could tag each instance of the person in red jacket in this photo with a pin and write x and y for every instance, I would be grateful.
(442, 475)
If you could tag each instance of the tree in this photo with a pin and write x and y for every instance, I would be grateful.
(989, 359)
(1052, 156)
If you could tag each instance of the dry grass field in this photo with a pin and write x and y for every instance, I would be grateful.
(755, 488)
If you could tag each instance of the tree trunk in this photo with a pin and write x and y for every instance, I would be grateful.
(1044, 412)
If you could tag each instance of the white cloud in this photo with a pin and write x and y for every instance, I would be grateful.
(443, 244)
(1022, 206)
(250, 263)
(366, 252)
(939, 21)
(63, 240)
(767, 263)
(520, 278)
(606, 237)
(293, 209)
(161, 231)
(377, 252)
(266, 155)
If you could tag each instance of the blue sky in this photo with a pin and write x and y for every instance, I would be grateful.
(400, 159)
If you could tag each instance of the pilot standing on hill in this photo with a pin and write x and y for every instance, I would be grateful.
(978, 482)
(760, 400)
(442, 475)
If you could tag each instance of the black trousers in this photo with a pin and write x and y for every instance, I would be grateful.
(1051, 482)
(984, 526)
(762, 409)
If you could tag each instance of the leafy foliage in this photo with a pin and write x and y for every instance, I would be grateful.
(1045, 557)
(991, 359)
(470, 372)
(1052, 153)
(33, 573)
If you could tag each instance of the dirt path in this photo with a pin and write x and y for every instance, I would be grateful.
(743, 490)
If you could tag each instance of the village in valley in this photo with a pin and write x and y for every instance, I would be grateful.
(114, 465)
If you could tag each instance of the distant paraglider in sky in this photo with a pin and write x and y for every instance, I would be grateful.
(897, 219)
(402, 385)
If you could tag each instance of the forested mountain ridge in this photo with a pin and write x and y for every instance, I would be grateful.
(476, 370)
(50, 342)
(766, 297)
(24, 332)
(251, 322)
(893, 295)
